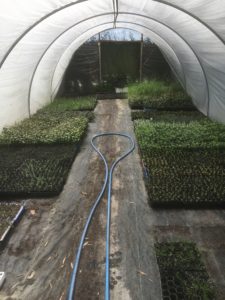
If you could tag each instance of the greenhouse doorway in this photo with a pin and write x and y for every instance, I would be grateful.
(109, 61)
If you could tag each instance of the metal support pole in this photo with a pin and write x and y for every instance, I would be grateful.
(100, 57)
(141, 58)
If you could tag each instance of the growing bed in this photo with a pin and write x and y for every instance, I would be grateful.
(36, 155)
(46, 128)
(159, 95)
(183, 274)
(185, 163)
(167, 116)
(71, 104)
(34, 170)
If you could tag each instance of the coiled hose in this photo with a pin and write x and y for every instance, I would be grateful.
(107, 180)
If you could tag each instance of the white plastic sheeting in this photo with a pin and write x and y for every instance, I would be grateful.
(39, 37)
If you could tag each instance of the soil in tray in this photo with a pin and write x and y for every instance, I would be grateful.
(8, 212)
(34, 170)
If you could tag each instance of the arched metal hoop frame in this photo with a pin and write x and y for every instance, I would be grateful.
(121, 13)
(116, 13)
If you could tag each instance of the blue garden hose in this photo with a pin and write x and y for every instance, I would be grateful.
(108, 179)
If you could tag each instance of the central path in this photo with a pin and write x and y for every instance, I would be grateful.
(134, 273)
(39, 257)
(134, 269)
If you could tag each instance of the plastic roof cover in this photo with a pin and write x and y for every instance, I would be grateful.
(39, 37)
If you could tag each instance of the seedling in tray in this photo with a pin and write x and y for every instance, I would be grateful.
(183, 274)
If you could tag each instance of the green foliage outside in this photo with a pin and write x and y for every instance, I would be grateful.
(120, 61)
(156, 94)
(183, 274)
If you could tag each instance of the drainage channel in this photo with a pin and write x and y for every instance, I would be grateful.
(107, 184)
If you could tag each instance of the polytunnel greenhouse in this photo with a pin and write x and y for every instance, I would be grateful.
(112, 149)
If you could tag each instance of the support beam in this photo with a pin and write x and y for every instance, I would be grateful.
(141, 57)
(100, 58)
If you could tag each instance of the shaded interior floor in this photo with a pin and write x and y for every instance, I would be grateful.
(38, 258)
